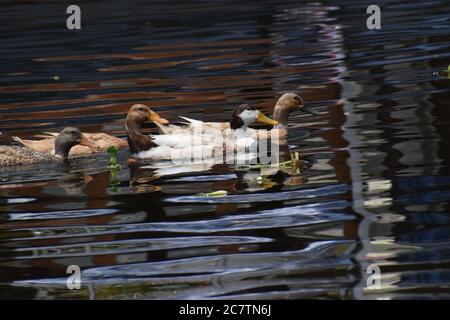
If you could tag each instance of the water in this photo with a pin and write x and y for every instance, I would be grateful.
(376, 195)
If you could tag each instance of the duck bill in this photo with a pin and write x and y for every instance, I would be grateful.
(264, 119)
(154, 117)
(88, 143)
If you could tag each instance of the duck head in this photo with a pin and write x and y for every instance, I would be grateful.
(140, 113)
(245, 115)
(288, 103)
(136, 117)
(68, 138)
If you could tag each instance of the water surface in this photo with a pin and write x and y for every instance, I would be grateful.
(377, 193)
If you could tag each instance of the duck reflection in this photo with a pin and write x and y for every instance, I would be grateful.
(73, 183)
(141, 180)
(181, 179)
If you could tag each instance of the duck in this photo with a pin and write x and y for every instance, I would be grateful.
(285, 105)
(102, 140)
(237, 135)
(154, 147)
(65, 140)
(188, 144)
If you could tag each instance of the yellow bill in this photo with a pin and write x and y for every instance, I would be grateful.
(154, 117)
(264, 119)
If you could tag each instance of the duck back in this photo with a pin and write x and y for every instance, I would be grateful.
(14, 156)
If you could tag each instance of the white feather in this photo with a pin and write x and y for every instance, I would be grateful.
(182, 155)
(180, 141)
(157, 153)
(248, 117)
(17, 139)
(190, 120)
(170, 129)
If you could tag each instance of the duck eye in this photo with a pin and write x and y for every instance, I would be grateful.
(296, 98)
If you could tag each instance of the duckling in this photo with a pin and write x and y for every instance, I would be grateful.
(66, 139)
(103, 140)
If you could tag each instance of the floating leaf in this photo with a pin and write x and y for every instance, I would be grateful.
(218, 193)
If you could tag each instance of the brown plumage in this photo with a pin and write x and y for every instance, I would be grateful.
(286, 104)
(102, 140)
(66, 139)
(47, 145)
(138, 141)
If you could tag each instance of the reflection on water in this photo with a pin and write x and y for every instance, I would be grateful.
(377, 191)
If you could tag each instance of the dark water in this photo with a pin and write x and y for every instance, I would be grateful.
(378, 192)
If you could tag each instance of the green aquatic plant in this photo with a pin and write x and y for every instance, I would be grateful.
(293, 167)
(114, 166)
(113, 160)
(293, 163)
(214, 194)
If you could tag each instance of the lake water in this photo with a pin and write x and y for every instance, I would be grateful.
(377, 195)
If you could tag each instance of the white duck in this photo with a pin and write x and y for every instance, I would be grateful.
(285, 105)
(188, 143)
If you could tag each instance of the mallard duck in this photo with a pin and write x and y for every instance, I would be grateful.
(66, 139)
(103, 140)
(286, 104)
(187, 144)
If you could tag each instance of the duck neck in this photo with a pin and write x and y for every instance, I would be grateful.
(62, 149)
(240, 132)
(281, 115)
(137, 141)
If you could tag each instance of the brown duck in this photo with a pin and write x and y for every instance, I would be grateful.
(285, 105)
(66, 139)
(102, 140)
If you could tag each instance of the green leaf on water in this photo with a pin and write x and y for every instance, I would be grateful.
(216, 194)
(112, 150)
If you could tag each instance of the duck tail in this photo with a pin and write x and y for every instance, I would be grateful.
(17, 139)
(43, 136)
(191, 121)
(53, 134)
